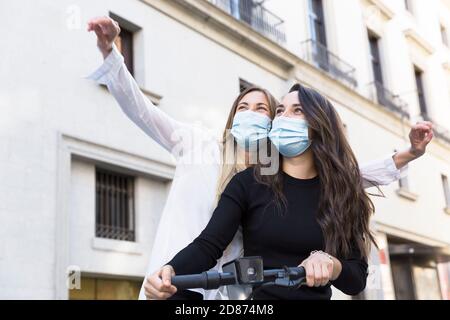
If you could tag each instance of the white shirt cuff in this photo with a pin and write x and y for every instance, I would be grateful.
(382, 172)
(109, 68)
(397, 174)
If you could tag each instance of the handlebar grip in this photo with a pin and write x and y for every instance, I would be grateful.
(206, 280)
(295, 273)
(190, 281)
(214, 279)
(298, 272)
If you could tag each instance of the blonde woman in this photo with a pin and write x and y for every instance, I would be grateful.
(196, 185)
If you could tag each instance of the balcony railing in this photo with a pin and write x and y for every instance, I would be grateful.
(256, 16)
(318, 55)
(379, 94)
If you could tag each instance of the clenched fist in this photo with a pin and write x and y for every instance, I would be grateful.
(420, 136)
(106, 30)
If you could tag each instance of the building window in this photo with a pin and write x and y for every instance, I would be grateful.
(446, 187)
(403, 183)
(414, 270)
(418, 74)
(375, 59)
(242, 10)
(243, 85)
(444, 35)
(319, 50)
(317, 22)
(379, 93)
(256, 15)
(114, 202)
(124, 43)
(404, 189)
(409, 6)
(125, 40)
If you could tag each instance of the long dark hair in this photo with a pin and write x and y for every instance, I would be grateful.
(345, 208)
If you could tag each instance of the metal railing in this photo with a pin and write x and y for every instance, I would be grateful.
(114, 200)
(255, 15)
(379, 94)
(114, 232)
(318, 55)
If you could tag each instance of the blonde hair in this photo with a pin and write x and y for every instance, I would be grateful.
(233, 160)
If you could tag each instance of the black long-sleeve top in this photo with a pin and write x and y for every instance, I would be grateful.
(281, 238)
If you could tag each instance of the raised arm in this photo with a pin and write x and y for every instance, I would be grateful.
(392, 167)
(202, 254)
(113, 73)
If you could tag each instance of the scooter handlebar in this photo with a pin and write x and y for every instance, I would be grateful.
(213, 279)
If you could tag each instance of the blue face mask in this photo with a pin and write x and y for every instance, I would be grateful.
(249, 127)
(290, 136)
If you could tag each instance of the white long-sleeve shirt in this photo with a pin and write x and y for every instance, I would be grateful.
(191, 199)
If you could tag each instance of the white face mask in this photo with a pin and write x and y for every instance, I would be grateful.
(290, 136)
(249, 127)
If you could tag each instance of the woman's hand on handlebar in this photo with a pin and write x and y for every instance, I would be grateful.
(320, 268)
(158, 285)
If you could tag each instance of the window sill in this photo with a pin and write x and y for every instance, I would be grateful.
(154, 97)
(404, 193)
(117, 246)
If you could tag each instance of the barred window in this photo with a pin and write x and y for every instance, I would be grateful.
(114, 202)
